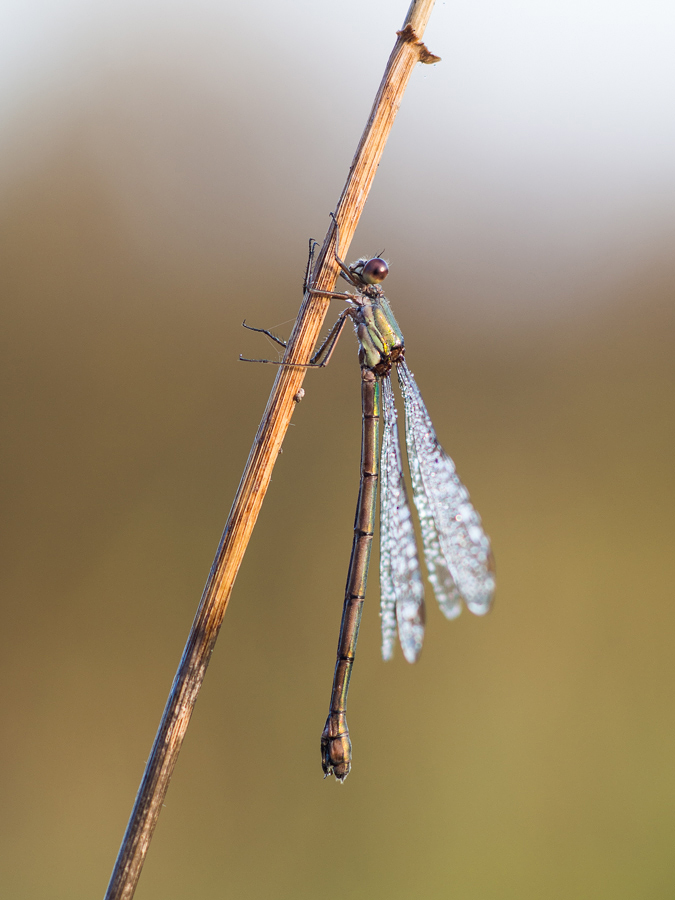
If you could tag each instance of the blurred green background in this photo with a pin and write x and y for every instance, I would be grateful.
(161, 170)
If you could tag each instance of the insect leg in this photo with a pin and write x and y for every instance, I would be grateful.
(345, 269)
(310, 259)
(265, 331)
(322, 356)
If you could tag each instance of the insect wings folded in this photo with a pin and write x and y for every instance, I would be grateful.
(456, 549)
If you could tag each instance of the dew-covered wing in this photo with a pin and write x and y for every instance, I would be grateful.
(402, 591)
(456, 549)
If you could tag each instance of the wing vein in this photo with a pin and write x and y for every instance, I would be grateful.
(401, 588)
(456, 549)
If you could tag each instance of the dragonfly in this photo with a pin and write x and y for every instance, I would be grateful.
(457, 552)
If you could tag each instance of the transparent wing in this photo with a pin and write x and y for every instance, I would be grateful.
(401, 587)
(456, 549)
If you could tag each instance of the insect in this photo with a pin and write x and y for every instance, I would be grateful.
(456, 549)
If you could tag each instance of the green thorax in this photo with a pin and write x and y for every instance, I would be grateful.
(378, 331)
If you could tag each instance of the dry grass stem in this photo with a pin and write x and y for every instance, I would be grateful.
(407, 52)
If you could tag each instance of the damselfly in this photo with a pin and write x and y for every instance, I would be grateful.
(456, 549)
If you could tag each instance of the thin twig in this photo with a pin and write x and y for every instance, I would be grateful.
(407, 51)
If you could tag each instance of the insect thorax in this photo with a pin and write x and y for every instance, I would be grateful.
(378, 332)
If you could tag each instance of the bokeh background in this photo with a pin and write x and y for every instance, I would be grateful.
(161, 169)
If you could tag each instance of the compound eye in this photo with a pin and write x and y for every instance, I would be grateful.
(374, 271)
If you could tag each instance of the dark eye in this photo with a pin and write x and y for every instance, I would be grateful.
(374, 271)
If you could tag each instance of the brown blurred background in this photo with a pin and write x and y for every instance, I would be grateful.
(161, 170)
